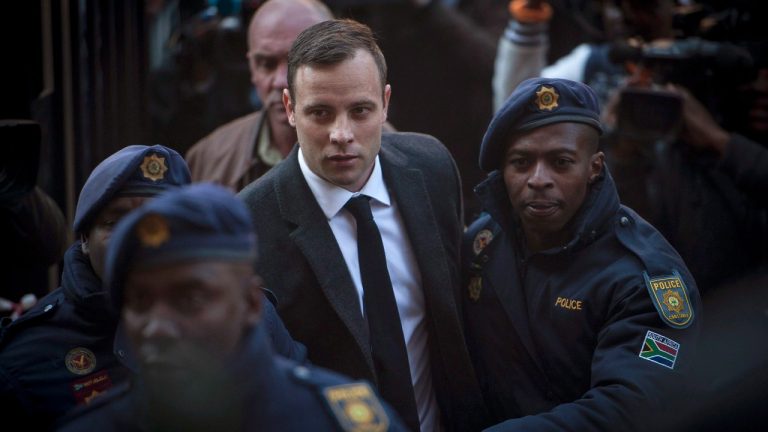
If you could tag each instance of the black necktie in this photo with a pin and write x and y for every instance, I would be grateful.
(388, 345)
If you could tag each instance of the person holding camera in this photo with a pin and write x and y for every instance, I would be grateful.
(668, 151)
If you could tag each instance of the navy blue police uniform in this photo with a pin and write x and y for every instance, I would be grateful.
(63, 352)
(597, 334)
(265, 392)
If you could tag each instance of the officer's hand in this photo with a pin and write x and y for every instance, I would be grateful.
(700, 130)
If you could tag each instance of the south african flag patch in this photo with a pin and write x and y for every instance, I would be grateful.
(659, 349)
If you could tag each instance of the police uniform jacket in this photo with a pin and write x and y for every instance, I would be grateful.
(572, 338)
(59, 353)
(63, 352)
(264, 392)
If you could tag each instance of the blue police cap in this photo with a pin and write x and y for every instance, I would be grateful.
(538, 102)
(198, 221)
(136, 170)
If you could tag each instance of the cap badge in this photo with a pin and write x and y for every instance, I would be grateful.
(153, 230)
(153, 168)
(80, 361)
(546, 98)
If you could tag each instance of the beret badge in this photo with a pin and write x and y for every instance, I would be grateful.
(153, 167)
(546, 98)
(153, 230)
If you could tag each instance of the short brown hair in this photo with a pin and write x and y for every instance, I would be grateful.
(332, 42)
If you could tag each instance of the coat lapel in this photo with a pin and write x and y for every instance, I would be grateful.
(414, 203)
(314, 238)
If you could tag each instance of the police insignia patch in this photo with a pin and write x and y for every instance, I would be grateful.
(482, 239)
(80, 361)
(153, 167)
(659, 349)
(85, 389)
(356, 407)
(153, 230)
(546, 98)
(670, 297)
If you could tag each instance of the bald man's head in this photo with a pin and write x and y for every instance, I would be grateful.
(272, 30)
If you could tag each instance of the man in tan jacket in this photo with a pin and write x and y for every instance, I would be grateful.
(244, 149)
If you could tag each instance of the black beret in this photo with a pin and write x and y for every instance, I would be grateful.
(538, 102)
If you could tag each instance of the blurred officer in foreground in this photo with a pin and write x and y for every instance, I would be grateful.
(180, 269)
(62, 352)
(579, 314)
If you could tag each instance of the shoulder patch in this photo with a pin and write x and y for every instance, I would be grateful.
(356, 407)
(659, 349)
(80, 361)
(670, 297)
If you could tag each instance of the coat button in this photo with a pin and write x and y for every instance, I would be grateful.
(624, 221)
(301, 372)
(121, 353)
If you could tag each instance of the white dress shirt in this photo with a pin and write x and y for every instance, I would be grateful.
(401, 264)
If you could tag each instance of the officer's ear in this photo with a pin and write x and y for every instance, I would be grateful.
(254, 299)
(596, 162)
(84, 247)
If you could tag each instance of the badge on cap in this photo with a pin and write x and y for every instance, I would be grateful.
(80, 361)
(153, 230)
(546, 98)
(356, 407)
(153, 168)
(670, 296)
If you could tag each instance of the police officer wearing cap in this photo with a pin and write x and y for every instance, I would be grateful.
(63, 352)
(579, 315)
(180, 270)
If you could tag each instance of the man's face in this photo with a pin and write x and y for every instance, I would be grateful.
(177, 313)
(338, 111)
(96, 240)
(269, 40)
(547, 172)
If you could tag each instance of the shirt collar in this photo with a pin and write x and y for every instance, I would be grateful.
(332, 198)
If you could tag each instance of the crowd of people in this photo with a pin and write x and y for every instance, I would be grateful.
(313, 266)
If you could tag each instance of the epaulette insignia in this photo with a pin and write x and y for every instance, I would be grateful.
(153, 167)
(546, 98)
(153, 230)
(482, 239)
(80, 361)
(475, 286)
(356, 407)
(670, 297)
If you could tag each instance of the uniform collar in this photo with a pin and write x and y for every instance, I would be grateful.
(332, 198)
(82, 286)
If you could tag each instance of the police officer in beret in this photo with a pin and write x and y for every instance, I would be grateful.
(580, 316)
(63, 352)
(180, 270)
